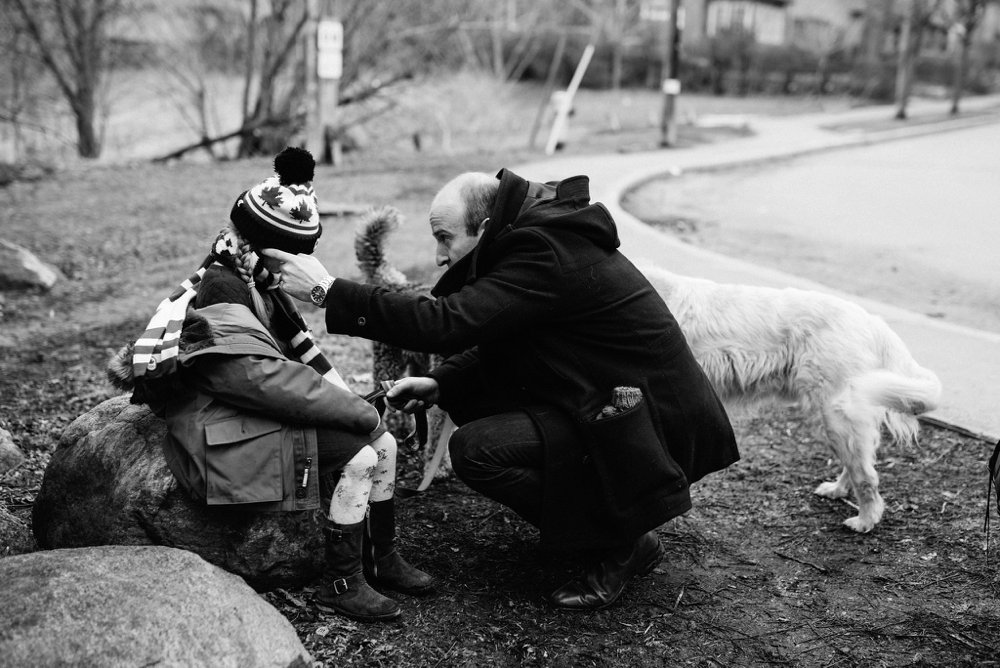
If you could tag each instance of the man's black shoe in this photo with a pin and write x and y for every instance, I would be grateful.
(603, 584)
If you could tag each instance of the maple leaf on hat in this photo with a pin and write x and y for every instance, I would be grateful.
(271, 196)
(302, 212)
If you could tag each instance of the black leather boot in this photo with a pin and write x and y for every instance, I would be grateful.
(603, 584)
(384, 567)
(344, 590)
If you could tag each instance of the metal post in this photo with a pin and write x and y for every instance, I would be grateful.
(327, 42)
(671, 84)
(314, 116)
(562, 114)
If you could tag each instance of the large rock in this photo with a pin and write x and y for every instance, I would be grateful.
(108, 483)
(20, 268)
(10, 454)
(15, 534)
(136, 606)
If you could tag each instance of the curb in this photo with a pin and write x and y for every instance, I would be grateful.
(861, 138)
(848, 139)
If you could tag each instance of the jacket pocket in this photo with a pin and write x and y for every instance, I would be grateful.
(630, 460)
(243, 461)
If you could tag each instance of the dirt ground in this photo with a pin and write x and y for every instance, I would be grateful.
(760, 572)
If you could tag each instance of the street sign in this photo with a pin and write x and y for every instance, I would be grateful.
(329, 49)
(672, 86)
(655, 10)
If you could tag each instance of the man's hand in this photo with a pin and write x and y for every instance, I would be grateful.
(299, 273)
(409, 394)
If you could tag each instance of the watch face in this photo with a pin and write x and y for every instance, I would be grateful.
(318, 294)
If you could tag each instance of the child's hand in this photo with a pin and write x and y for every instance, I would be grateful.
(410, 394)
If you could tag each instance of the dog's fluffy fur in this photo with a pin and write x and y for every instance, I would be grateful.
(845, 367)
(390, 362)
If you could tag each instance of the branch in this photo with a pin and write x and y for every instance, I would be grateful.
(73, 48)
(15, 119)
(371, 91)
(210, 141)
(290, 44)
(45, 50)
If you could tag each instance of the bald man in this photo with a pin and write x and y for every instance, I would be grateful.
(579, 403)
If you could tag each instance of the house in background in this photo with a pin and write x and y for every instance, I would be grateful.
(870, 26)
(814, 24)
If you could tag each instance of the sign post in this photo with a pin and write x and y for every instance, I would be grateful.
(329, 68)
(671, 84)
(324, 67)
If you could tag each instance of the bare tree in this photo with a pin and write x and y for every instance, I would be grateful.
(17, 76)
(384, 43)
(968, 15)
(71, 37)
(190, 48)
(280, 78)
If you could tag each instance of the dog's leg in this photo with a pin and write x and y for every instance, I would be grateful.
(837, 489)
(864, 479)
(854, 435)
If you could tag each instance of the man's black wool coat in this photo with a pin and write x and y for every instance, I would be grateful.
(551, 316)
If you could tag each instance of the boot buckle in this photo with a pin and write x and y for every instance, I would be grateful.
(337, 584)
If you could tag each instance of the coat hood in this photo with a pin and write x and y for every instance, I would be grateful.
(219, 328)
(557, 209)
(196, 333)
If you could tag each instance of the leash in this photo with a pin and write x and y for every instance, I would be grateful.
(416, 439)
(431, 468)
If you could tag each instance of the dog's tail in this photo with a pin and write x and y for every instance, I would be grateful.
(369, 245)
(903, 396)
(910, 395)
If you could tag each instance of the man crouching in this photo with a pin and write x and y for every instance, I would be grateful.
(579, 403)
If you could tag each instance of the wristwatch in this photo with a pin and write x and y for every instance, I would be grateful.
(318, 293)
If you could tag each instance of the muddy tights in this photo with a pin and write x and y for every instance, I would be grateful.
(369, 476)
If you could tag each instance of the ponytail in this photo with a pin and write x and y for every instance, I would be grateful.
(245, 262)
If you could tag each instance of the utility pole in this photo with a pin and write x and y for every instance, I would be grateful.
(324, 66)
(904, 60)
(314, 121)
(671, 84)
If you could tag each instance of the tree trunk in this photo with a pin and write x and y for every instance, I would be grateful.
(496, 42)
(84, 112)
(617, 58)
(904, 62)
(251, 47)
(959, 81)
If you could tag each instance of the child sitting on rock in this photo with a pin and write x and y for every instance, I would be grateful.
(256, 414)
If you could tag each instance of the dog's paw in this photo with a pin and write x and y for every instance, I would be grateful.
(858, 524)
(831, 491)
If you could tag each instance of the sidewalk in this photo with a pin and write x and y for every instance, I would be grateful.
(966, 360)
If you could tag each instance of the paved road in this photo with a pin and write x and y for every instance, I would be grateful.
(913, 223)
(966, 359)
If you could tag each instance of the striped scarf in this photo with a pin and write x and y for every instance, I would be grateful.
(156, 351)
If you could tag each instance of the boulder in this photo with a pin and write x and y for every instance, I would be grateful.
(19, 269)
(15, 534)
(10, 455)
(107, 483)
(136, 606)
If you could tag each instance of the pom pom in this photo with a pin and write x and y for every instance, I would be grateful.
(294, 166)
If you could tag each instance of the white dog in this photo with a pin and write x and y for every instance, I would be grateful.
(846, 368)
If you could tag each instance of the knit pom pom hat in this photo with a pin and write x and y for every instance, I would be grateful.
(282, 212)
